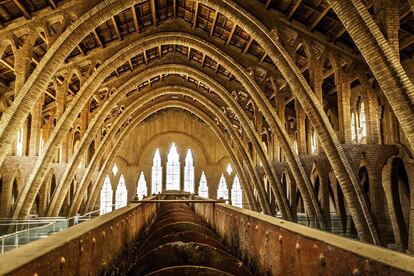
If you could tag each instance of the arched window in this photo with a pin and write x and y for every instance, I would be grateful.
(314, 140)
(362, 123)
(121, 196)
(236, 193)
(106, 197)
(189, 172)
(19, 143)
(173, 169)
(229, 169)
(114, 169)
(353, 127)
(156, 180)
(142, 190)
(295, 146)
(222, 191)
(41, 142)
(203, 188)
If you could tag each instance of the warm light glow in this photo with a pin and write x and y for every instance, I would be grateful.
(173, 169)
(114, 170)
(156, 179)
(121, 195)
(203, 188)
(229, 169)
(189, 172)
(236, 193)
(106, 197)
(222, 191)
(142, 189)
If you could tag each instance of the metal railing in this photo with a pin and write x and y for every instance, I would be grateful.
(26, 231)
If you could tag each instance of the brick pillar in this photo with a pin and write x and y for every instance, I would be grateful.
(22, 66)
(280, 101)
(371, 111)
(300, 129)
(35, 128)
(84, 126)
(342, 83)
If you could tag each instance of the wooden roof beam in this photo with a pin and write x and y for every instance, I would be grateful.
(22, 9)
(8, 65)
(248, 45)
(231, 34)
(268, 3)
(118, 33)
(195, 14)
(130, 65)
(98, 38)
(52, 4)
(175, 9)
(294, 9)
(320, 17)
(214, 23)
(159, 51)
(145, 57)
(135, 18)
(153, 12)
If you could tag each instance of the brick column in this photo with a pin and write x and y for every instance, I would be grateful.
(35, 128)
(300, 129)
(342, 83)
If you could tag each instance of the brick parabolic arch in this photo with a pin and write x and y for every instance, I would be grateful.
(148, 42)
(40, 78)
(136, 107)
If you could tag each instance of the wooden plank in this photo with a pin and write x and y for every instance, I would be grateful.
(214, 23)
(231, 34)
(320, 17)
(118, 33)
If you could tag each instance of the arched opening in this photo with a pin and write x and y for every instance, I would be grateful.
(14, 196)
(401, 193)
(362, 129)
(142, 190)
(156, 177)
(173, 169)
(222, 191)
(19, 142)
(106, 197)
(364, 182)
(203, 186)
(236, 193)
(189, 172)
(121, 195)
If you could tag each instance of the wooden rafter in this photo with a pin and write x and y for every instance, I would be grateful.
(231, 34)
(175, 9)
(248, 45)
(98, 38)
(213, 26)
(320, 17)
(294, 9)
(204, 60)
(135, 18)
(268, 3)
(22, 8)
(195, 14)
(160, 52)
(130, 65)
(118, 33)
(153, 12)
(145, 57)
(52, 4)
